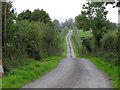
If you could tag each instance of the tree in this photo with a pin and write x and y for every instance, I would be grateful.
(36, 15)
(57, 25)
(25, 15)
(93, 18)
(68, 23)
(41, 16)
(11, 17)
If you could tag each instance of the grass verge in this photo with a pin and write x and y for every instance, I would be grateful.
(65, 47)
(74, 47)
(26, 74)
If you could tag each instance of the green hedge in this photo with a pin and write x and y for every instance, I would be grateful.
(35, 40)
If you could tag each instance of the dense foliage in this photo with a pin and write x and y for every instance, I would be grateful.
(57, 25)
(36, 15)
(29, 35)
(68, 23)
(93, 18)
(103, 41)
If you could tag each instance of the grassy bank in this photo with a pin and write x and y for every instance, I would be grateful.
(110, 69)
(74, 48)
(25, 75)
(65, 47)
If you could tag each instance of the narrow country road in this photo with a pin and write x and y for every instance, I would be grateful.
(73, 73)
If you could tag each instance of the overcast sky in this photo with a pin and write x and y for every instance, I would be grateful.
(60, 9)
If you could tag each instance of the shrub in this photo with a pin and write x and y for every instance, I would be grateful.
(31, 39)
(109, 42)
(109, 46)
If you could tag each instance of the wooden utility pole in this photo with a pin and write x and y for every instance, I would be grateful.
(4, 23)
(4, 34)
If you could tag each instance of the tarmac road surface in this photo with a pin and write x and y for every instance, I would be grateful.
(73, 73)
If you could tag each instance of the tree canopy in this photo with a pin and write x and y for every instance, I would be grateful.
(93, 18)
(57, 25)
(68, 23)
(36, 15)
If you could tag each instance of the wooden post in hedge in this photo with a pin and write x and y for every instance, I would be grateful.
(4, 22)
(4, 35)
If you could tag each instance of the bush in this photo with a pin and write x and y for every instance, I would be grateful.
(85, 44)
(83, 41)
(109, 46)
(31, 39)
(109, 42)
(28, 38)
